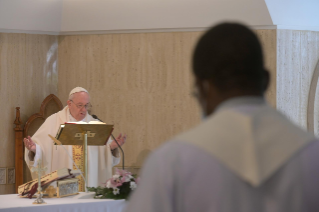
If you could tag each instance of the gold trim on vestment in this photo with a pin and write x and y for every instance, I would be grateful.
(77, 153)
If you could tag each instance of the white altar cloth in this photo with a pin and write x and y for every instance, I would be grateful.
(13, 203)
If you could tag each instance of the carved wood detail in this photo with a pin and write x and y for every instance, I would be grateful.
(19, 149)
(17, 121)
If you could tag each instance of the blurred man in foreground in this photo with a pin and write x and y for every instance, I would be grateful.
(245, 156)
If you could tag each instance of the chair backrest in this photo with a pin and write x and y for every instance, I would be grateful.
(50, 105)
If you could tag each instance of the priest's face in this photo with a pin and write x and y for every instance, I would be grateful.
(78, 105)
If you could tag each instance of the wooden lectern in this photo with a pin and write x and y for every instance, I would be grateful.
(91, 134)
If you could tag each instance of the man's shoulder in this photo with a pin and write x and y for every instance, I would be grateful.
(177, 155)
(244, 120)
(175, 149)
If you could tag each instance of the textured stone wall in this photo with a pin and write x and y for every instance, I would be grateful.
(297, 56)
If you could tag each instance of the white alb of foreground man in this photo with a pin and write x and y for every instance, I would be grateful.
(245, 156)
(101, 159)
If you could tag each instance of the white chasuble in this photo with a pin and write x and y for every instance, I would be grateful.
(253, 141)
(100, 158)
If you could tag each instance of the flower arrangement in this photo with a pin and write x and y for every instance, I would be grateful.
(117, 187)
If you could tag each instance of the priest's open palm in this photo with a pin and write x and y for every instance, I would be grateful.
(121, 139)
(29, 144)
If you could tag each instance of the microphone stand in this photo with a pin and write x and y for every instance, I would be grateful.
(94, 116)
(120, 149)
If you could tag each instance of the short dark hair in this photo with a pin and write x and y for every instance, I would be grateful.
(230, 56)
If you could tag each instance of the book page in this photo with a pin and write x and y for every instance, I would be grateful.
(96, 122)
(78, 122)
(83, 122)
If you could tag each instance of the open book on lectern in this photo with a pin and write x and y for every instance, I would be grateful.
(72, 133)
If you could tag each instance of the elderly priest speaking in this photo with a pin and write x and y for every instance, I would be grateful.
(245, 156)
(101, 159)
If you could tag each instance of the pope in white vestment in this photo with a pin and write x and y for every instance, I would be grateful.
(100, 158)
(245, 156)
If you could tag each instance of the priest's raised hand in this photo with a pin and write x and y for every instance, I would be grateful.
(120, 140)
(29, 144)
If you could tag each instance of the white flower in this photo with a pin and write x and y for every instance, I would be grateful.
(116, 176)
(116, 191)
(133, 185)
(127, 179)
(108, 184)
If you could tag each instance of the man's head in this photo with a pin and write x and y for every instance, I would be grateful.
(228, 62)
(78, 103)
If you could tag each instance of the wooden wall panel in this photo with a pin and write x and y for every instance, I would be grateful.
(28, 73)
(141, 83)
(12, 60)
(268, 39)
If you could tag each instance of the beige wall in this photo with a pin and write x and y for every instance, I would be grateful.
(268, 39)
(27, 75)
(141, 83)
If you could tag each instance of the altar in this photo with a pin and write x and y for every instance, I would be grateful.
(76, 203)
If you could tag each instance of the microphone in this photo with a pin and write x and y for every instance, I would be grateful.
(94, 116)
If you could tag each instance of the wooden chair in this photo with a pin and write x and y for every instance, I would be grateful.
(50, 105)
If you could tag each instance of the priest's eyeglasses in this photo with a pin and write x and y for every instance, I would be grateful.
(88, 106)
